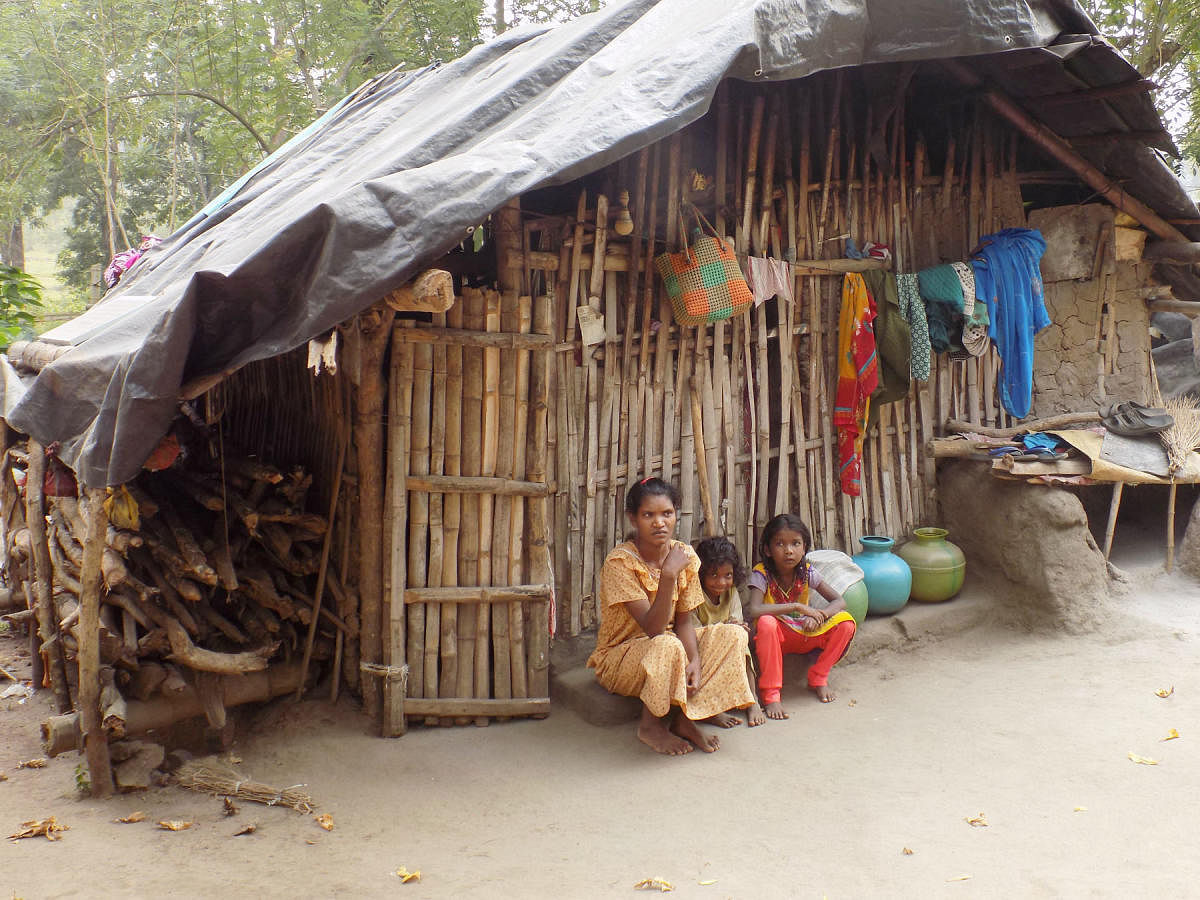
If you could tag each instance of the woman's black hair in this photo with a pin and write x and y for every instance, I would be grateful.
(782, 522)
(649, 487)
(715, 552)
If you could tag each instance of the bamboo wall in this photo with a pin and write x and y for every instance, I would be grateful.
(738, 414)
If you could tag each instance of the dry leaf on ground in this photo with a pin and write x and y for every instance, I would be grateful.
(325, 820)
(230, 808)
(1171, 736)
(1165, 692)
(406, 876)
(960, 878)
(49, 828)
(979, 821)
(654, 884)
(38, 763)
(246, 829)
(708, 882)
(907, 851)
(312, 842)
(1142, 760)
(3, 777)
(1081, 809)
(852, 703)
(138, 816)
(174, 825)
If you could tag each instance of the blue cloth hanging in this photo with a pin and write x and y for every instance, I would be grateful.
(1008, 278)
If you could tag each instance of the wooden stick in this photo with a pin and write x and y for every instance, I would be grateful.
(503, 533)
(437, 523)
(472, 461)
(1171, 525)
(35, 518)
(1113, 507)
(95, 739)
(322, 573)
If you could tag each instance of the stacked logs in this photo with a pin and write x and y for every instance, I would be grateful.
(202, 576)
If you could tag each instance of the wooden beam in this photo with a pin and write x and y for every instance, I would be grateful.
(1172, 251)
(1187, 307)
(433, 706)
(466, 594)
(428, 334)
(1054, 145)
(1079, 418)
(1105, 137)
(477, 484)
(1066, 98)
(95, 739)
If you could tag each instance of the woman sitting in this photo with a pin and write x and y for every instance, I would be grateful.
(648, 645)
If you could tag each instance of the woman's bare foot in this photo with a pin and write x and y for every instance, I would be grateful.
(775, 711)
(754, 715)
(690, 731)
(723, 720)
(653, 732)
(823, 692)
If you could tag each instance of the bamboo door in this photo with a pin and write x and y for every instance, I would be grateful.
(469, 584)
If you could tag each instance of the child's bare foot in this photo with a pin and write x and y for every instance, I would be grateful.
(690, 731)
(654, 733)
(754, 715)
(723, 720)
(823, 692)
(775, 711)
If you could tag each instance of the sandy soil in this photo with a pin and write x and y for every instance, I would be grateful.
(1030, 731)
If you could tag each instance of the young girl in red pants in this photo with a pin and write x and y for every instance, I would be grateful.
(795, 612)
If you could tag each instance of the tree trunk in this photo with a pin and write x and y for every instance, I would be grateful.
(12, 246)
(501, 25)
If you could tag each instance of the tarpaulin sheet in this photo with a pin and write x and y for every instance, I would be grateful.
(395, 175)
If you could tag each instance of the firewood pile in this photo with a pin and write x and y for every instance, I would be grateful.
(205, 573)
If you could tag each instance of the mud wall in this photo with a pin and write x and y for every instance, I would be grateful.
(1098, 347)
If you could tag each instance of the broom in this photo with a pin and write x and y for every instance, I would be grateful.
(1183, 436)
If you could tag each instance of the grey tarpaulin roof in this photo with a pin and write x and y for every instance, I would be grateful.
(394, 176)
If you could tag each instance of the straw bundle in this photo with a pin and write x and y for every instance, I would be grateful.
(197, 776)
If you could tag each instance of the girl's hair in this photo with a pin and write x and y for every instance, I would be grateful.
(782, 522)
(649, 487)
(715, 552)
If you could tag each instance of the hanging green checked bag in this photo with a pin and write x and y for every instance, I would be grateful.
(704, 281)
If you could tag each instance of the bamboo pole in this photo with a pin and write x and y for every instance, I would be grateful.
(539, 550)
(451, 508)
(437, 517)
(503, 533)
(516, 553)
(487, 503)
(399, 646)
(95, 739)
(417, 393)
(472, 464)
(376, 326)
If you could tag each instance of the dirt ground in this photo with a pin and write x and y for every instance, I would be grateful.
(1031, 732)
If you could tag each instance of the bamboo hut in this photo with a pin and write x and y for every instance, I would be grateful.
(407, 438)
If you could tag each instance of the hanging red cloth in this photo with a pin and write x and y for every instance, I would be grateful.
(858, 376)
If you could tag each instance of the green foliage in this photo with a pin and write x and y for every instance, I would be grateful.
(138, 114)
(20, 297)
(1161, 38)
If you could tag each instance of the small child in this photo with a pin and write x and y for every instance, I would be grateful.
(790, 619)
(720, 570)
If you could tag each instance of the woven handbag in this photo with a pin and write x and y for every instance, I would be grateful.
(704, 281)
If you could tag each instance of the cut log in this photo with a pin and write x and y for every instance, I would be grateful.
(146, 680)
(113, 709)
(222, 555)
(61, 733)
(431, 291)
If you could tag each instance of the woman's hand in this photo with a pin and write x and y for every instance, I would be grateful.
(693, 674)
(675, 562)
